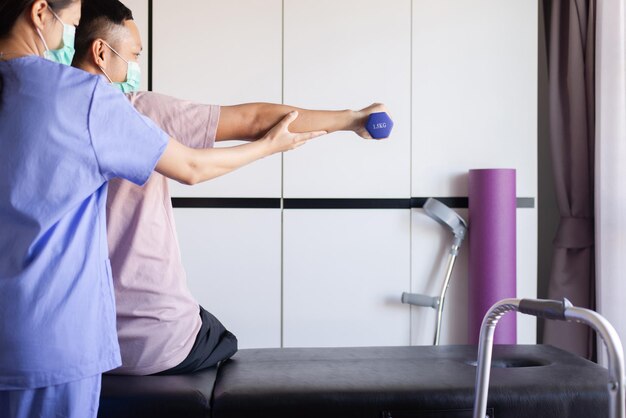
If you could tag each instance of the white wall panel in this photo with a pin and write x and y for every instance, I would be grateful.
(349, 54)
(344, 272)
(222, 52)
(232, 258)
(474, 92)
(140, 15)
(526, 271)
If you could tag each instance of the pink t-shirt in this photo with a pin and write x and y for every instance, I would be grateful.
(157, 317)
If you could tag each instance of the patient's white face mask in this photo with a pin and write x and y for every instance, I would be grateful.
(133, 74)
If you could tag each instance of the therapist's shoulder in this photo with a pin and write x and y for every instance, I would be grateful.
(107, 99)
(70, 85)
(52, 75)
(57, 84)
(60, 73)
(109, 103)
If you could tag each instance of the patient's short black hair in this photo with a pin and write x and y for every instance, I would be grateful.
(99, 19)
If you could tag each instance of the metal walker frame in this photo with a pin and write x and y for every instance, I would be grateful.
(557, 310)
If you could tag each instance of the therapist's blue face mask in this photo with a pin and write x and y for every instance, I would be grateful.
(133, 75)
(65, 54)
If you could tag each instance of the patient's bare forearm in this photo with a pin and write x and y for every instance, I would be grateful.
(253, 120)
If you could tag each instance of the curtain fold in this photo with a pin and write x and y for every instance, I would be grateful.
(570, 31)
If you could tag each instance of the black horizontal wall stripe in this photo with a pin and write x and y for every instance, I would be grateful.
(451, 202)
(347, 204)
(232, 203)
(274, 203)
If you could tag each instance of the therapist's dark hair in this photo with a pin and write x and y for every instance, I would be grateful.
(98, 20)
(11, 10)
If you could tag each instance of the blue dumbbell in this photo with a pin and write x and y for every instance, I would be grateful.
(379, 125)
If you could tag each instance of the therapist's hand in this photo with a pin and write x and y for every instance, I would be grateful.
(279, 139)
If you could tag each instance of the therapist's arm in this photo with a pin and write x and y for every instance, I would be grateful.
(253, 120)
(191, 166)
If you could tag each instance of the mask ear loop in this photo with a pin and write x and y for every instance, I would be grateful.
(56, 16)
(116, 53)
(43, 40)
(45, 45)
(105, 74)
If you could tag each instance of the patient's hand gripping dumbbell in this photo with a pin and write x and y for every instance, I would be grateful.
(379, 125)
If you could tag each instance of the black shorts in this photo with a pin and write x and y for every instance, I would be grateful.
(214, 343)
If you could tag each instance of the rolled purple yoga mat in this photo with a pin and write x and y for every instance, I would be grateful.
(492, 249)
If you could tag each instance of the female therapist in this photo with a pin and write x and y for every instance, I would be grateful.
(63, 135)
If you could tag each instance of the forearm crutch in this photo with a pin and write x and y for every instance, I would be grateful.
(450, 219)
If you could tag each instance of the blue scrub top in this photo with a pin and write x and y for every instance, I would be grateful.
(63, 135)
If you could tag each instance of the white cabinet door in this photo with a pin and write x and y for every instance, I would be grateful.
(222, 52)
(232, 258)
(349, 54)
(344, 272)
(474, 92)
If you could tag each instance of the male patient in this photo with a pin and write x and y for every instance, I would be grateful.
(161, 327)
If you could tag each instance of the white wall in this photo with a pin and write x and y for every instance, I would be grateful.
(233, 264)
(222, 52)
(459, 78)
(474, 106)
(356, 57)
(343, 273)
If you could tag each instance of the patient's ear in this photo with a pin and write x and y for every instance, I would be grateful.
(98, 54)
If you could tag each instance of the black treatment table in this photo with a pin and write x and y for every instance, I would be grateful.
(532, 381)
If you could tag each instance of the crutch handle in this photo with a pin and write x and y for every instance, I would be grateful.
(419, 299)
